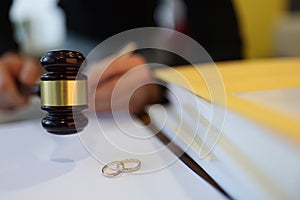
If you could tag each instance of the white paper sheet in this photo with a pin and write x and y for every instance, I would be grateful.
(243, 171)
(37, 165)
(285, 101)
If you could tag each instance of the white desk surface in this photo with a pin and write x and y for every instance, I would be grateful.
(37, 165)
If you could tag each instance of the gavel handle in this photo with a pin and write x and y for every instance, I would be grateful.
(28, 91)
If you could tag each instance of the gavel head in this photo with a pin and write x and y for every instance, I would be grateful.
(63, 91)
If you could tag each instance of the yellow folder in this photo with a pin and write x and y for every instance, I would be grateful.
(245, 76)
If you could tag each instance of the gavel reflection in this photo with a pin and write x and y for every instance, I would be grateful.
(63, 92)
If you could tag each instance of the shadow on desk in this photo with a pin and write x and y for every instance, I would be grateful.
(30, 158)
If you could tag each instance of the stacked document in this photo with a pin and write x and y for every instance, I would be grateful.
(240, 121)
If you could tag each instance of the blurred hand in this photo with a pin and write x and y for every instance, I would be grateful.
(122, 83)
(16, 70)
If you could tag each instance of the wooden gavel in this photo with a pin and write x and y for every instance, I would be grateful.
(63, 92)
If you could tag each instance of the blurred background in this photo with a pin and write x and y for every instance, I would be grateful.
(270, 28)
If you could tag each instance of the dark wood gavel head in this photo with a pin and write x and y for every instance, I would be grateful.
(63, 91)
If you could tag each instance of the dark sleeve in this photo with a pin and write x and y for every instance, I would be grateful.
(6, 33)
(102, 19)
(214, 25)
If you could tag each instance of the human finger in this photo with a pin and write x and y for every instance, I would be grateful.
(10, 96)
(30, 72)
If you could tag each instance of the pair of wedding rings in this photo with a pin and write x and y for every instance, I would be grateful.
(116, 168)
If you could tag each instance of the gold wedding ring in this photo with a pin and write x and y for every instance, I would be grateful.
(112, 169)
(136, 165)
(115, 168)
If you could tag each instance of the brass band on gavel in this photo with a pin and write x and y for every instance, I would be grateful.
(64, 93)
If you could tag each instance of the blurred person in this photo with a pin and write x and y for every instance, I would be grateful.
(212, 24)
